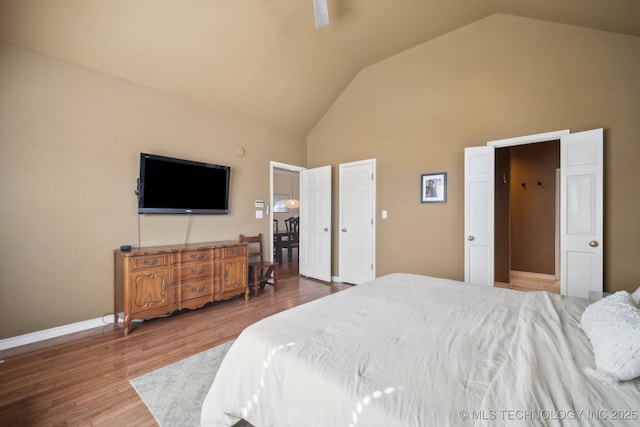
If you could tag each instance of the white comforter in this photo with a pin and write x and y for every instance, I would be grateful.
(407, 350)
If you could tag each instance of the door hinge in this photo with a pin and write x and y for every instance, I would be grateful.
(371, 267)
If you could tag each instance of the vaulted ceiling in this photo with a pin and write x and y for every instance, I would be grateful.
(264, 60)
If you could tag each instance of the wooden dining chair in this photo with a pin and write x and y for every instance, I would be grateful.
(261, 272)
(293, 238)
(275, 230)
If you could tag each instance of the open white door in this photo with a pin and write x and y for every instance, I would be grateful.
(581, 206)
(315, 223)
(479, 215)
(357, 221)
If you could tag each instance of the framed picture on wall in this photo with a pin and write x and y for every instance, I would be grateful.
(433, 188)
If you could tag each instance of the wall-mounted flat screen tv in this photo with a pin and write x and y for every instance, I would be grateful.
(176, 186)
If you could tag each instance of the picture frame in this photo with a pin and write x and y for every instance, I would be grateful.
(433, 187)
(279, 203)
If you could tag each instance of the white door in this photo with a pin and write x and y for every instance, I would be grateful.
(581, 228)
(479, 215)
(315, 223)
(357, 221)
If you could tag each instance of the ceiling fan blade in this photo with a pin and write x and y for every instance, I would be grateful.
(321, 13)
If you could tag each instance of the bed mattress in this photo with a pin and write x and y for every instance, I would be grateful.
(408, 350)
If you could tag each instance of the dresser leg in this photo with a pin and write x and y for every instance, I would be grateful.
(127, 324)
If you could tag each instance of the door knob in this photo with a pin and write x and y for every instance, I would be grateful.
(344, 230)
(470, 238)
(326, 229)
(593, 243)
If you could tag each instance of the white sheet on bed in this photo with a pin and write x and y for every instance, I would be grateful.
(408, 350)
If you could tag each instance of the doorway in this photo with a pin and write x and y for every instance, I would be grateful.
(526, 216)
(285, 187)
(314, 216)
(581, 210)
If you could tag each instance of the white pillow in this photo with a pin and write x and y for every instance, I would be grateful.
(636, 296)
(613, 327)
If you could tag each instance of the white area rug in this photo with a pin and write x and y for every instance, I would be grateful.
(174, 393)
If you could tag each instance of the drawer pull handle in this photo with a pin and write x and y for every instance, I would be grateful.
(200, 256)
(202, 270)
(197, 291)
(151, 262)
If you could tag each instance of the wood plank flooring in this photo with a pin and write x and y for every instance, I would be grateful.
(83, 379)
(530, 282)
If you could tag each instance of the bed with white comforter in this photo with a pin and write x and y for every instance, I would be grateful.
(407, 350)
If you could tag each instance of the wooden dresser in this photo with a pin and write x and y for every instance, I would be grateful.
(155, 281)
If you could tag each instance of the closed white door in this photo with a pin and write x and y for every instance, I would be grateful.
(357, 221)
(581, 206)
(479, 215)
(315, 223)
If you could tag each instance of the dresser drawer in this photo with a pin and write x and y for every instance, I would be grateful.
(193, 256)
(196, 289)
(196, 271)
(235, 251)
(149, 261)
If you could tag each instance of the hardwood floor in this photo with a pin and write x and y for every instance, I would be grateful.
(530, 282)
(83, 379)
(288, 270)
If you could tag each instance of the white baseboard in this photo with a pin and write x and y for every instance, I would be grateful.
(58, 331)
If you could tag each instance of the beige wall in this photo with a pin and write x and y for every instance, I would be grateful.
(525, 218)
(501, 212)
(497, 78)
(70, 140)
(533, 207)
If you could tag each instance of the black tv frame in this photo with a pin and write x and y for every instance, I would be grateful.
(180, 185)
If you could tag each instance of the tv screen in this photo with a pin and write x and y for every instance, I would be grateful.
(175, 186)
